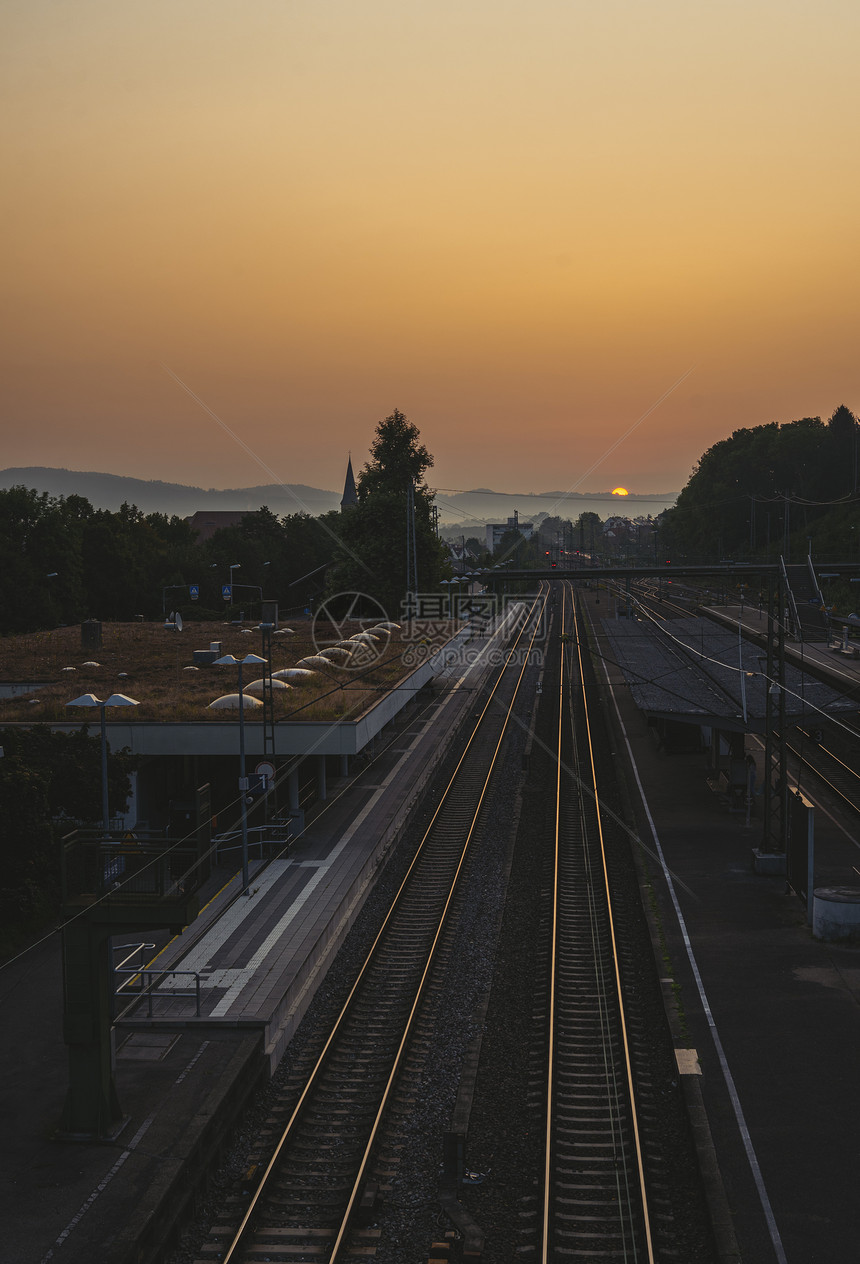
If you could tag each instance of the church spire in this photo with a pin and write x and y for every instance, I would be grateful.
(349, 497)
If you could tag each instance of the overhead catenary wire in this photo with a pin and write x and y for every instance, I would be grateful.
(703, 657)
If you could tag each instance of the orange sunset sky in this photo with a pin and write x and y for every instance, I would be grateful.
(520, 224)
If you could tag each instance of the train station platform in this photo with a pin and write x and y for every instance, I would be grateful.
(833, 661)
(182, 1069)
(250, 961)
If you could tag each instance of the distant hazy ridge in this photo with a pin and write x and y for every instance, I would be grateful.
(109, 491)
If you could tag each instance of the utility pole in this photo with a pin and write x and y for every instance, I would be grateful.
(783, 736)
(768, 726)
(786, 528)
(775, 796)
(411, 549)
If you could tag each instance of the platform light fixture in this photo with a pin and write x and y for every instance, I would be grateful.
(115, 700)
(228, 660)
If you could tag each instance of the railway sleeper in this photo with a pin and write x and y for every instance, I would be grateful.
(574, 1253)
(329, 1168)
(603, 1168)
(312, 1232)
(591, 1208)
(579, 1091)
(300, 1197)
(605, 1233)
(299, 1254)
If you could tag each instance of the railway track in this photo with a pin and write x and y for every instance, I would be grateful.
(595, 1202)
(834, 765)
(592, 1157)
(315, 1195)
(832, 754)
(615, 1167)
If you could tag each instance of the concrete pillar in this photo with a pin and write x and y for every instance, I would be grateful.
(321, 782)
(293, 785)
(91, 1109)
(344, 765)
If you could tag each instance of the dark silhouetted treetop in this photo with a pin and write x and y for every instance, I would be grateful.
(739, 493)
(396, 457)
(372, 559)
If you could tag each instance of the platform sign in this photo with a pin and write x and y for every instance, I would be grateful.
(194, 591)
(227, 591)
(265, 774)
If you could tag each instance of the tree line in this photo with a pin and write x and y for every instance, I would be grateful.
(66, 561)
(771, 490)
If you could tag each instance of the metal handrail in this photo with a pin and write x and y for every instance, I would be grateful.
(275, 832)
(152, 982)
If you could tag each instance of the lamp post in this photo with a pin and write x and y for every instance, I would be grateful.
(115, 700)
(228, 660)
(235, 567)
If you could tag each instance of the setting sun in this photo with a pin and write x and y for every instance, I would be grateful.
(620, 491)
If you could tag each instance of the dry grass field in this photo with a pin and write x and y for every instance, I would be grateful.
(154, 665)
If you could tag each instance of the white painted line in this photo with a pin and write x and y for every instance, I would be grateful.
(244, 975)
(775, 1238)
(190, 1066)
(100, 1188)
(199, 957)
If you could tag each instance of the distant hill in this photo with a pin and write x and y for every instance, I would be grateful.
(470, 508)
(109, 491)
(466, 509)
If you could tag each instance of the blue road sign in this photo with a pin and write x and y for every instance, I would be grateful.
(193, 591)
(226, 591)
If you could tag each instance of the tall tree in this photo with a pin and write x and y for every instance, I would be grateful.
(754, 493)
(374, 532)
(843, 431)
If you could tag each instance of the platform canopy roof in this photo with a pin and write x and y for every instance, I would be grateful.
(697, 672)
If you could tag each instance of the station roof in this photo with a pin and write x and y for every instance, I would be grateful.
(694, 671)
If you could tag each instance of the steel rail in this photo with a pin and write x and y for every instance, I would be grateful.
(553, 963)
(627, 1057)
(611, 1019)
(359, 1180)
(232, 1253)
(653, 606)
(806, 763)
